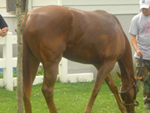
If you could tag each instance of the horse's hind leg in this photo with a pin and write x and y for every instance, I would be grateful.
(114, 90)
(104, 70)
(30, 66)
(50, 76)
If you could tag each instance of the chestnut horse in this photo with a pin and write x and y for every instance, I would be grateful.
(90, 37)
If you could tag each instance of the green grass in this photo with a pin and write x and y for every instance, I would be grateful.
(69, 98)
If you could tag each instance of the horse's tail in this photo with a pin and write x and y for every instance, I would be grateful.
(30, 66)
(23, 21)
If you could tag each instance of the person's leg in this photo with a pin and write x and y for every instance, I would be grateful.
(146, 85)
(145, 82)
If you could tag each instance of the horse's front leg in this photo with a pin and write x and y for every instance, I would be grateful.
(103, 71)
(113, 88)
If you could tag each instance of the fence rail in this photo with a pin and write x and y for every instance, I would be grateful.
(8, 62)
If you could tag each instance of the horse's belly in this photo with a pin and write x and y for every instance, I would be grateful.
(81, 55)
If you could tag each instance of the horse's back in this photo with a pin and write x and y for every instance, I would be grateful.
(95, 35)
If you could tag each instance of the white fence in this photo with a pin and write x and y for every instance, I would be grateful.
(8, 62)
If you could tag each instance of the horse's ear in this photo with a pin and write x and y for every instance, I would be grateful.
(119, 75)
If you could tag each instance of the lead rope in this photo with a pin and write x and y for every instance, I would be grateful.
(139, 77)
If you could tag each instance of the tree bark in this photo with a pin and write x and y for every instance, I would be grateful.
(20, 108)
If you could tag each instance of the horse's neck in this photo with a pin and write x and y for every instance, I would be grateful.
(126, 68)
(126, 63)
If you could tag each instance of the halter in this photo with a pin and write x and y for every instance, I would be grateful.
(139, 77)
(134, 102)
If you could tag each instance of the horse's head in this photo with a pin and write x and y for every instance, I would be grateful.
(128, 94)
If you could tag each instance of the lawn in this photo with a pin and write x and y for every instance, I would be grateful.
(69, 98)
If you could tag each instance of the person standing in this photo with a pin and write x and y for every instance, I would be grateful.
(3, 27)
(140, 39)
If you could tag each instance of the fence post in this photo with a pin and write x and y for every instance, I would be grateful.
(7, 55)
(63, 70)
(59, 2)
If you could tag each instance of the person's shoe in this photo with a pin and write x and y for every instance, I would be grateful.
(147, 106)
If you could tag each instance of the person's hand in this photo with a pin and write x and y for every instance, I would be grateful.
(4, 31)
(139, 53)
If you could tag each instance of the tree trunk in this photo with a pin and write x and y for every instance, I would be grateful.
(19, 95)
